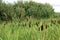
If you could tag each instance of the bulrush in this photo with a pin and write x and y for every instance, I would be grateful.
(42, 27)
(37, 23)
(29, 24)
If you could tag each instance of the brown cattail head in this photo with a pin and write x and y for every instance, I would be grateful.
(46, 26)
(42, 27)
(37, 23)
(29, 24)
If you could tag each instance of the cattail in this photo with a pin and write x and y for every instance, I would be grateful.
(42, 27)
(37, 23)
(29, 24)
(58, 21)
(26, 17)
(25, 24)
(5, 24)
(47, 26)
(53, 21)
(50, 24)
(39, 28)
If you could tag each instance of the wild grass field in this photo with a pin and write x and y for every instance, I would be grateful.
(29, 21)
(29, 30)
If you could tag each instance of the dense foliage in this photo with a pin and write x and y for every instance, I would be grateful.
(21, 10)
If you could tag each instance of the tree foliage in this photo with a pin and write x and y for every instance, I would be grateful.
(22, 9)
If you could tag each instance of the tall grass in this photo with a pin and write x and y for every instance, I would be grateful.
(17, 31)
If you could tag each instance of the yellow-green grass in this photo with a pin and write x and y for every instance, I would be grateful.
(17, 31)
